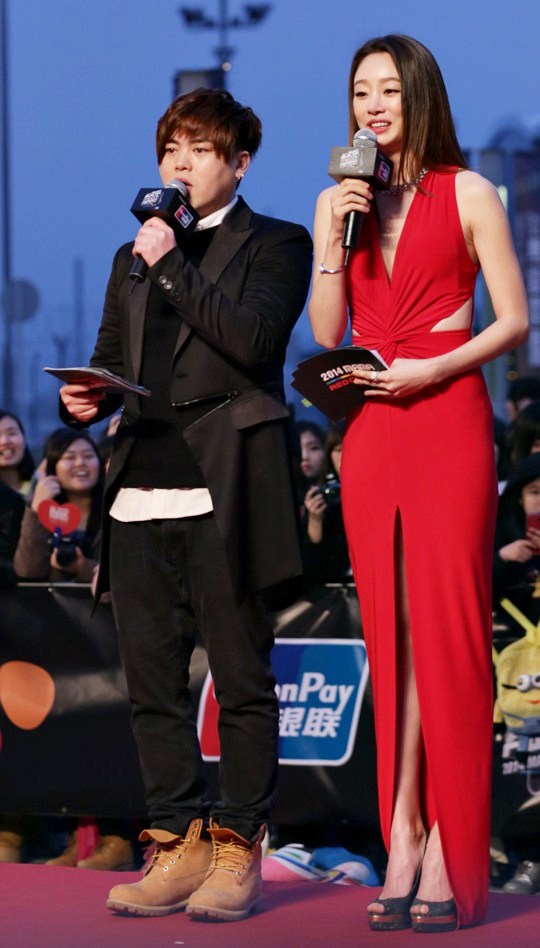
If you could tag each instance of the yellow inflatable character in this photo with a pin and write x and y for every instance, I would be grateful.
(518, 682)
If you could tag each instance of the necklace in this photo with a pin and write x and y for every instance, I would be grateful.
(400, 188)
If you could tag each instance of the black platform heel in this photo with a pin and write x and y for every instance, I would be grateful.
(397, 912)
(440, 917)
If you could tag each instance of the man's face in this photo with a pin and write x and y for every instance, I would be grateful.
(210, 180)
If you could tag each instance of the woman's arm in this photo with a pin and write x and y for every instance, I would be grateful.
(328, 303)
(488, 236)
(32, 559)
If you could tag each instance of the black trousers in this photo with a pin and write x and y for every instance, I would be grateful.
(169, 578)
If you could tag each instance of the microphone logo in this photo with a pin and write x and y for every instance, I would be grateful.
(183, 216)
(152, 199)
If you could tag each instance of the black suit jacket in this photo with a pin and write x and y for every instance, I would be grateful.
(238, 310)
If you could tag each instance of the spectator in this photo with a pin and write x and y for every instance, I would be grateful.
(521, 393)
(326, 554)
(501, 439)
(16, 462)
(311, 439)
(516, 582)
(73, 474)
(524, 433)
(16, 467)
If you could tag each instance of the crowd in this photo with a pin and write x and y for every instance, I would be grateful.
(71, 470)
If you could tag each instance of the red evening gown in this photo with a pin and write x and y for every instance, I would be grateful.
(427, 460)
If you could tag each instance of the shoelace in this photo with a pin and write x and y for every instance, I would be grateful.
(230, 856)
(167, 854)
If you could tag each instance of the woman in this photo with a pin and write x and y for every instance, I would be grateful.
(418, 478)
(16, 462)
(524, 434)
(73, 474)
(324, 544)
(16, 468)
(516, 602)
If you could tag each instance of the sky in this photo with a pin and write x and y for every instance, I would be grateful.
(88, 81)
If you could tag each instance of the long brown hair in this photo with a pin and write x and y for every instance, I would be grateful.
(429, 136)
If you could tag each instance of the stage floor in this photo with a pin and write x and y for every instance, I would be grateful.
(64, 908)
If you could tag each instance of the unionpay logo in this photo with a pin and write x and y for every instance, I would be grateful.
(320, 686)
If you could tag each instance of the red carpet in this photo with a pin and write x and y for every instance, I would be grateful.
(64, 908)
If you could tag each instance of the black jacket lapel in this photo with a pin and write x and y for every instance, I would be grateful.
(230, 237)
(138, 302)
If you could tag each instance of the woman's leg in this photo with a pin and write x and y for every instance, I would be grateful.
(407, 836)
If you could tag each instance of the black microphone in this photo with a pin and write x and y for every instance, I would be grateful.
(364, 160)
(171, 205)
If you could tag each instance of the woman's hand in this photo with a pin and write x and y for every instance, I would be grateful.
(74, 567)
(154, 240)
(315, 503)
(316, 506)
(404, 377)
(352, 194)
(47, 488)
(519, 551)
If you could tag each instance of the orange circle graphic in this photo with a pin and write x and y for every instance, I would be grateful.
(26, 693)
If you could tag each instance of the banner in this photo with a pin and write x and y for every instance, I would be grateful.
(66, 745)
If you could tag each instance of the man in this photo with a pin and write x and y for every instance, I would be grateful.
(201, 504)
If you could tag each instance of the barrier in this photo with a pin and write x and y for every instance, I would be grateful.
(66, 745)
(82, 759)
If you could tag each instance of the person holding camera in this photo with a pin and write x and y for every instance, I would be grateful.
(326, 554)
(73, 474)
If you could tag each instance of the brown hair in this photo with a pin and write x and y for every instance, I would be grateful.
(429, 136)
(210, 115)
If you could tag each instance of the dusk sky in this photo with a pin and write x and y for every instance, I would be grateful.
(88, 81)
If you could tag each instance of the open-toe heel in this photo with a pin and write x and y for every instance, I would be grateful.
(396, 915)
(440, 916)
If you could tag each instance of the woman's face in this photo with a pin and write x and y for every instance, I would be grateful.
(12, 443)
(530, 497)
(377, 101)
(78, 468)
(312, 454)
(335, 457)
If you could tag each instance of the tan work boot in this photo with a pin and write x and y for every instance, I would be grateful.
(178, 867)
(10, 846)
(69, 856)
(233, 887)
(111, 852)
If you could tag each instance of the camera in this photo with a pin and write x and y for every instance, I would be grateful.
(330, 490)
(65, 546)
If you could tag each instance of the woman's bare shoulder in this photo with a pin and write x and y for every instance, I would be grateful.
(471, 185)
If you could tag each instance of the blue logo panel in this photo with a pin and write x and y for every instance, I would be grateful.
(321, 684)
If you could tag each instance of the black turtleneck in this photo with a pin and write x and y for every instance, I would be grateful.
(160, 457)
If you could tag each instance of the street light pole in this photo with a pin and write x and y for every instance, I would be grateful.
(7, 362)
(196, 18)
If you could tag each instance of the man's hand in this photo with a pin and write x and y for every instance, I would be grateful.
(82, 401)
(154, 240)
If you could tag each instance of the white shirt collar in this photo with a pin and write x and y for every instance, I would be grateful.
(216, 217)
